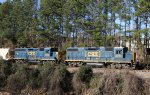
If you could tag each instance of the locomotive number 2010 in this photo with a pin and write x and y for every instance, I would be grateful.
(94, 54)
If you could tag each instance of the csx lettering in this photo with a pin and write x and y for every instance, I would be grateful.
(31, 53)
(93, 54)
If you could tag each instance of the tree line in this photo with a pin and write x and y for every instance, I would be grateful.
(63, 23)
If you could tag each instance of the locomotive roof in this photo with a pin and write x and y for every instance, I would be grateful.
(119, 47)
(96, 47)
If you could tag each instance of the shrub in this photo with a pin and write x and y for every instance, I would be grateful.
(5, 68)
(3, 80)
(94, 82)
(5, 72)
(15, 67)
(112, 84)
(60, 82)
(85, 73)
(34, 79)
(147, 87)
(133, 85)
(46, 70)
(118, 84)
(81, 79)
(16, 82)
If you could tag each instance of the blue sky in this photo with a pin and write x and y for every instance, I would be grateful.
(2, 0)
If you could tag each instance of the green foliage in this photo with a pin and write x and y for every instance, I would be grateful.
(16, 82)
(85, 73)
(5, 68)
(24, 23)
(46, 70)
(119, 83)
(66, 45)
(60, 81)
(3, 80)
(94, 82)
(34, 79)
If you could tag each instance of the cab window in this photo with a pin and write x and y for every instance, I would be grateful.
(46, 51)
(118, 51)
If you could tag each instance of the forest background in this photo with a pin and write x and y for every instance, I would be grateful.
(65, 23)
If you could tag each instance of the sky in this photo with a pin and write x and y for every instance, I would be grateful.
(2, 0)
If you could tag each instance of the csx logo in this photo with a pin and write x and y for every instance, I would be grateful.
(93, 54)
(31, 53)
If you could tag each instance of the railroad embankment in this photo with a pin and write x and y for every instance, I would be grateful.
(47, 79)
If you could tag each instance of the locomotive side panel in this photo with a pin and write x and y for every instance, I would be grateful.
(32, 54)
(75, 54)
(48, 54)
(92, 54)
(20, 53)
(35, 54)
(121, 55)
(106, 54)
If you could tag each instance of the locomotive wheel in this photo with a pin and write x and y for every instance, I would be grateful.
(75, 64)
(112, 66)
(20, 61)
(80, 64)
(109, 66)
(125, 66)
(70, 64)
(66, 63)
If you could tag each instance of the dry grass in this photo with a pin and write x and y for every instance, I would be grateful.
(123, 83)
(147, 87)
(81, 79)
(133, 85)
(78, 85)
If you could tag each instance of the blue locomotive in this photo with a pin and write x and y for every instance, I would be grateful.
(22, 55)
(102, 56)
(105, 56)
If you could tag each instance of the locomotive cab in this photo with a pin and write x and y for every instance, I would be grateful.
(122, 55)
(48, 54)
(54, 53)
(120, 52)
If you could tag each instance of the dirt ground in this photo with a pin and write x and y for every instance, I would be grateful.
(141, 73)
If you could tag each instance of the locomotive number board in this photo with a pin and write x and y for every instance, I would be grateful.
(93, 54)
(31, 53)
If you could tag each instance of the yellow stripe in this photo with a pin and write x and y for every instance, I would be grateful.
(19, 58)
(74, 60)
(98, 61)
(35, 58)
(46, 59)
